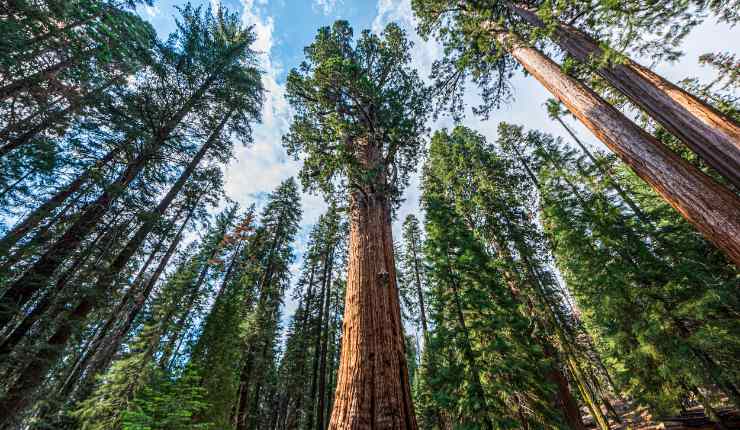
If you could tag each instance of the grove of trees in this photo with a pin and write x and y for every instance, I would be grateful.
(544, 283)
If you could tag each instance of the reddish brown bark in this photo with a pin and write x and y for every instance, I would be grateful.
(710, 207)
(565, 399)
(715, 137)
(373, 384)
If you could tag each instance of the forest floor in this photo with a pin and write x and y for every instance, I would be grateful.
(638, 418)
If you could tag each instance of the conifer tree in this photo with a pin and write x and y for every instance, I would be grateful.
(127, 390)
(642, 295)
(267, 279)
(476, 321)
(203, 78)
(360, 114)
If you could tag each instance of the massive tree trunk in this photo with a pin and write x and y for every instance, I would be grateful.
(710, 207)
(713, 136)
(373, 389)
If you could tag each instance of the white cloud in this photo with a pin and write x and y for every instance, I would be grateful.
(151, 11)
(327, 7)
(259, 168)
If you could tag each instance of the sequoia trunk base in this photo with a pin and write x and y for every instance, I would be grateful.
(373, 389)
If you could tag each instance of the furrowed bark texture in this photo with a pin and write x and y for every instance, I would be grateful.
(710, 207)
(373, 389)
(713, 136)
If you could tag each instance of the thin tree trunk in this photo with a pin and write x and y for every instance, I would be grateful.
(18, 86)
(78, 368)
(313, 411)
(21, 330)
(39, 214)
(568, 405)
(420, 294)
(36, 278)
(373, 389)
(713, 136)
(295, 423)
(137, 240)
(614, 184)
(14, 184)
(52, 118)
(710, 207)
(170, 350)
(102, 359)
(324, 331)
(470, 354)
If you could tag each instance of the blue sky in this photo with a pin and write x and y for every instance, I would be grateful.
(284, 27)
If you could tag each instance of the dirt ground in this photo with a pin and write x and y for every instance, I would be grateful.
(693, 419)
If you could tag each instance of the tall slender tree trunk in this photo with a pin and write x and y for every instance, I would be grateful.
(21, 330)
(470, 355)
(102, 358)
(420, 292)
(710, 207)
(314, 410)
(51, 119)
(713, 136)
(373, 389)
(39, 274)
(78, 368)
(295, 421)
(321, 405)
(612, 182)
(568, 405)
(16, 87)
(37, 277)
(137, 240)
(12, 186)
(39, 214)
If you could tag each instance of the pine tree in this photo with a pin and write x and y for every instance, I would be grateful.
(127, 390)
(220, 77)
(266, 281)
(642, 295)
(360, 118)
(218, 348)
(476, 321)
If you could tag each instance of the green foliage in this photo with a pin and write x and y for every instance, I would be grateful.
(354, 101)
(164, 404)
(477, 317)
(655, 296)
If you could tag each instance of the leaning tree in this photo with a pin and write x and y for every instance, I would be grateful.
(359, 125)
(484, 44)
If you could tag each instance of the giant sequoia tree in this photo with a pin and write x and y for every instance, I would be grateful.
(359, 121)
(481, 43)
